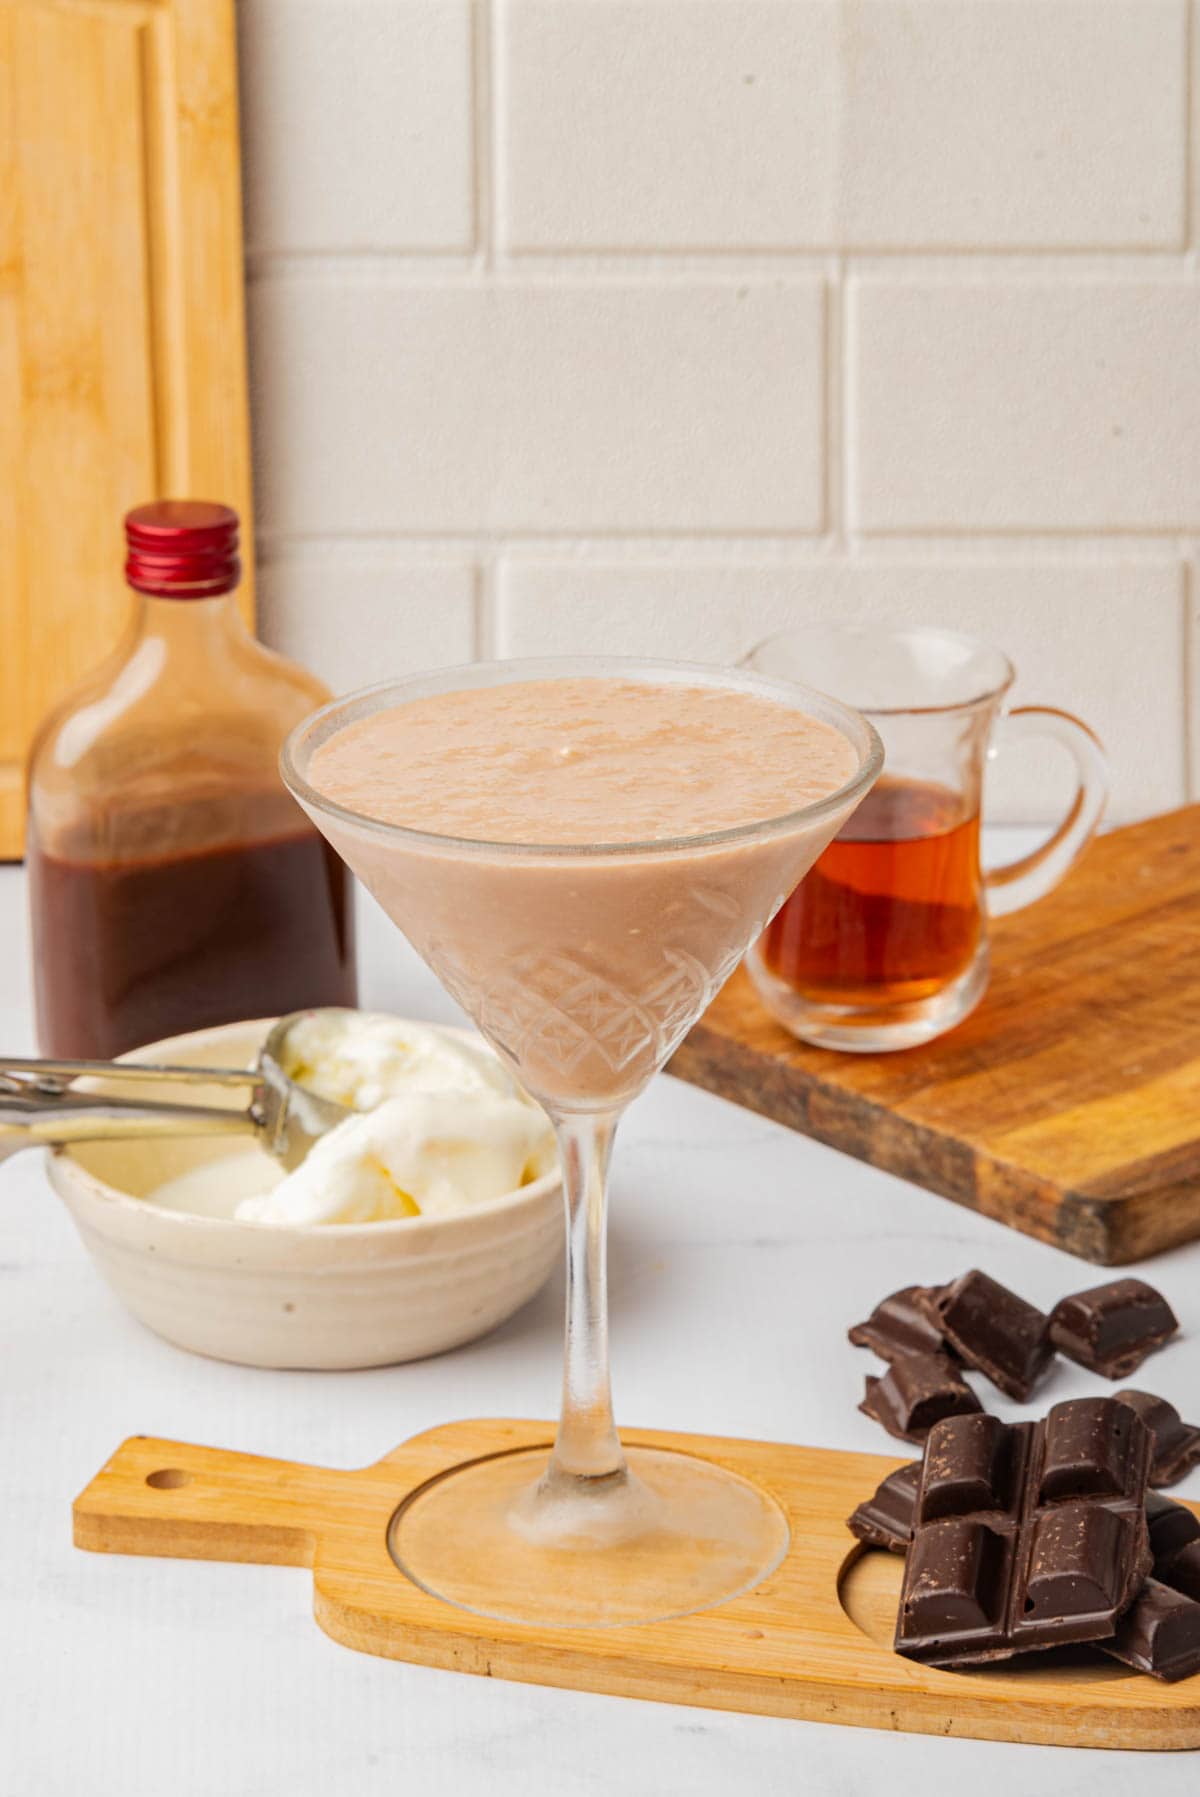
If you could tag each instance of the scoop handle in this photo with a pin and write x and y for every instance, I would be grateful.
(54, 1075)
(31, 1118)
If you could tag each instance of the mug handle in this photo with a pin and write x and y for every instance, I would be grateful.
(1021, 882)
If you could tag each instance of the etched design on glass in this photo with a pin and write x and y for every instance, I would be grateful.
(556, 1006)
(550, 1005)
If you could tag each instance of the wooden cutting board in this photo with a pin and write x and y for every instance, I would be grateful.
(812, 1640)
(122, 342)
(1068, 1105)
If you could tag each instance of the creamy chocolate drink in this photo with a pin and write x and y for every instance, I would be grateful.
(564, 890)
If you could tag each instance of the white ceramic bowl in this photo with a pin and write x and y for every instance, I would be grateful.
(332, 1296)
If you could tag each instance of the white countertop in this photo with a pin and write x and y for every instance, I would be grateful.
(740, 1254)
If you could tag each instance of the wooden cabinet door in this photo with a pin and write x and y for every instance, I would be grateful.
(122, 332)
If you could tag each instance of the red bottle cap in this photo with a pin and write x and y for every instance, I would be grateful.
(182, 549)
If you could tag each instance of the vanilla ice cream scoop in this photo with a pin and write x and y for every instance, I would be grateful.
(440, 1125)
(423, 1154)
(359, 1058)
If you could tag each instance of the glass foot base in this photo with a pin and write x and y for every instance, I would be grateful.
(858, 1029)
(678, 1535)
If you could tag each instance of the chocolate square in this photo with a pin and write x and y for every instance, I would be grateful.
(1110, 1329)
(995, 1331)
(902, 1324)
(885, 1518)
(1172, 1527)
(1159, 1634)
(1182, 1571)
(915, 1393)
(1176, 1443)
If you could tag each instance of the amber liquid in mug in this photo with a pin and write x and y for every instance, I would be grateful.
(892, 910)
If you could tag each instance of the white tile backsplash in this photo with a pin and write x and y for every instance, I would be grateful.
(1025, 405)
(652, 324)
(717, 124)
(537, 406)
(626, 125)
(1012, 124)
(357, 621)
(357, 124)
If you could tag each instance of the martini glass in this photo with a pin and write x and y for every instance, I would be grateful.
(583, 966)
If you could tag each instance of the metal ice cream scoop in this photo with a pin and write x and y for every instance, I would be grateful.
(41, 1107)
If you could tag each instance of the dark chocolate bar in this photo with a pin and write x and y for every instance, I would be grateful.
(917, 1392)
(902, 1324)
(1026, 1535)
(1111, 1328)
(1153, 1635)
(1176, 1443)
(885, 1519)
(1159, 1633)
(994, 1331)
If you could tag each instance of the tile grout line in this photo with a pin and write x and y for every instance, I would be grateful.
(484, 87)
(845, 378)
(482, 94)
(832, 486)
(485, 595)
(1091, 266)
(1191, 126)
(1066, 549)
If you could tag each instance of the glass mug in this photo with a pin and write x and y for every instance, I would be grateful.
(884, 944)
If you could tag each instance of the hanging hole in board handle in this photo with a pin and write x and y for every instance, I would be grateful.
(1031, 877)
(169, 1478)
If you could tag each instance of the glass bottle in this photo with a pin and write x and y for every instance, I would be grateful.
(174, 882)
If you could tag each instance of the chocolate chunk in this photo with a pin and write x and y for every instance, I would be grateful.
(994, 1331)
(885, 1519)
(1175, 1543)
(1172, 1526)
(1112, 1328)
(1182, 1571)
(1176, 1443)
(1159, 1633)
(915, 1393)
(902, 1324)
(1026, 1535)
(974, 1468)
(956, 1578)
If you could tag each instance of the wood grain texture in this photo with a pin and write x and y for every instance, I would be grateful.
(1068, 1105)
(791, 1647)
(122, 339)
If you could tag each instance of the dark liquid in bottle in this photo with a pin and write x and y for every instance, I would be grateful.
(129, 951)
(891, 911)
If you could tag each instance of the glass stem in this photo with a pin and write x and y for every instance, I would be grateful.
(587, 1445)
